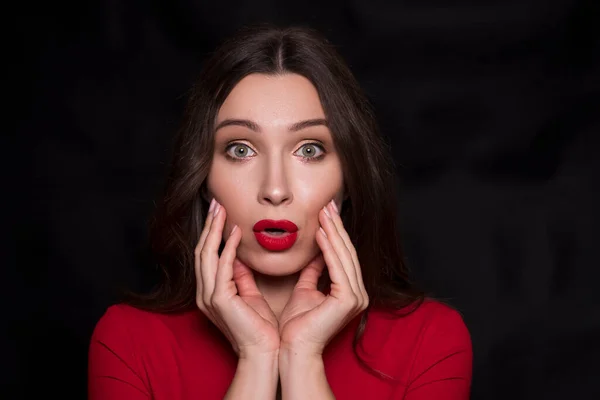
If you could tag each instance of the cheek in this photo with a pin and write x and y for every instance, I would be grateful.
(317, 190)
(231, 191)
(227, 184)
(313, 196)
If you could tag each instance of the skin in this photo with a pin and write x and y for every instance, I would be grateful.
(267, 303)
(272, 180)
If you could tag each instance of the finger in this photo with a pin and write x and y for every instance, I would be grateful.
(336, 271)
(225, 296)
(202, 239)
(339, 224)
(244, 279)
(224, 277)
(198, 249)
(207, 225)
(309, 277)
(341, 250)
(210, 253)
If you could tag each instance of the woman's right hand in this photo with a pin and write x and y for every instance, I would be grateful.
(227, 294)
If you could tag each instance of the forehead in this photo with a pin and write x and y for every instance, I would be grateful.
(268, 98)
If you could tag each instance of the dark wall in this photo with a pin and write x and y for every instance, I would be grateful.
(492, 112)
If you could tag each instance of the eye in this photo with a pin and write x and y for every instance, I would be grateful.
(240, 150)
(308, 151)
(311, 151)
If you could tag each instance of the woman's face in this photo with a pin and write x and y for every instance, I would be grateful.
(274, 159)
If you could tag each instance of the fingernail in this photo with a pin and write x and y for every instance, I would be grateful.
(326, 211)
(217, 208)
(335, 207)
(212, 205)
(322, 231)
(233, 230)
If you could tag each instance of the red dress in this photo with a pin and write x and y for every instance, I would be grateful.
(138, 355)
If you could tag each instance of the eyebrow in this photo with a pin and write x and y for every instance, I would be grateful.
(253, 126)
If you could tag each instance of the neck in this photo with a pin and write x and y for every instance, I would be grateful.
(276, 289)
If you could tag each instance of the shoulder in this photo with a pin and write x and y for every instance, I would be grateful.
(123, 322)
(424, 319)
(121, 317)
(436, 319)
(418, 336)
(115, 317)
(142, 351)
(444, 331)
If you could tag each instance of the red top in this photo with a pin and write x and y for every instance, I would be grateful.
(138, 355)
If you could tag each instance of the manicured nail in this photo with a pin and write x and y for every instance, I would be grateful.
(233, 230)
(326, 211)
(323, 232)
(335, 207)
(212, 205)
(217, 208)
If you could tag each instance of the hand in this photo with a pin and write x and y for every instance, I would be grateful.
(227, 293)
(311, 319)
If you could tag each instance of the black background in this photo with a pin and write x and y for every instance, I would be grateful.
(491, 109)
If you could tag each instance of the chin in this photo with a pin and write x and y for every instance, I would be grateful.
(275, 272)
(276, 263)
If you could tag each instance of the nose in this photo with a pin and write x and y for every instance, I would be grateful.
(275, 189)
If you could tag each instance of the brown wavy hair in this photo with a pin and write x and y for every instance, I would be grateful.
(368, 213)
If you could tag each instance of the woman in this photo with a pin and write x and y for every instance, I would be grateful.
(277, 237)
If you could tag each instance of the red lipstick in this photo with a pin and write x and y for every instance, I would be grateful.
(275, 235)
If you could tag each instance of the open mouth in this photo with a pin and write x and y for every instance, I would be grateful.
(275, 232)
(275, 235)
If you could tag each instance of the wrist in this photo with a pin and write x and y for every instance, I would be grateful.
(256, 377)
(299, 360)
(262, 361)
(258, 356)
(294, 351)
(303, 375)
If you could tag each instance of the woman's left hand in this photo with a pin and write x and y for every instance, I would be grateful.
(311, 319)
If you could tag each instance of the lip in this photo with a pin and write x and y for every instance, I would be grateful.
(284, 224)
(275, 243)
